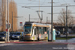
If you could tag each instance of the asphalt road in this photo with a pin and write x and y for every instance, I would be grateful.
(33, 46)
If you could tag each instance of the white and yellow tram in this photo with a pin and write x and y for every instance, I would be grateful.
(35, 31)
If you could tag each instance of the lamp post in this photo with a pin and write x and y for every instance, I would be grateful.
(12, 15)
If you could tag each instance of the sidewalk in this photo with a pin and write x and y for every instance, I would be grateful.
(66, 41)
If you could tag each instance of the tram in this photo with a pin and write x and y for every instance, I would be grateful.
(36, 31)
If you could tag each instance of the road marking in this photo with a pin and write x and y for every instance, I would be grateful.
(5, 44)
(71, 47)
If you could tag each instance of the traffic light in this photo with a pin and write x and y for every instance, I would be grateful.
(8, 26)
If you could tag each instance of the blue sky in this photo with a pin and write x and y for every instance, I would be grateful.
(32, 10)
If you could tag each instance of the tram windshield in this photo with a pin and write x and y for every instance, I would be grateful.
(27, 29)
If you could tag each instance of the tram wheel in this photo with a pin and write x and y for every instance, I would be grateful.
(38, 39)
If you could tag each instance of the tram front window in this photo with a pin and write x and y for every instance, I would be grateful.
(27, 29)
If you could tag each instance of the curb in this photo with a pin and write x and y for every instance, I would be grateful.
(37, 42)
(41, 42)
(25, 42)
(61, 43)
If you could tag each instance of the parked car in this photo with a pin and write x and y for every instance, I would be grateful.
(2, 36)
(15, 35)
(57, 33)
(64, 33)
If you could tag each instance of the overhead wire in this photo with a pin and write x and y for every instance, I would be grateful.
(32, 2)
(43, 2)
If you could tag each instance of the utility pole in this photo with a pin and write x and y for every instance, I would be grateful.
(12, 21)
(52, 19)
(46, 19)
(8, 18)
(74, 0)
(66, 23)
(39, 7)
(12, 15)
(50, 35)
(29, 17)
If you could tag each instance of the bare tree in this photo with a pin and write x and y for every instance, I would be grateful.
(62, 18)
(0, 16)
(3, 13)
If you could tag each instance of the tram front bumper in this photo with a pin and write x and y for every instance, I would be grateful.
(27, 38)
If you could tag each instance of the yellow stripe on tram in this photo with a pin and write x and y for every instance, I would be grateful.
(40, 26)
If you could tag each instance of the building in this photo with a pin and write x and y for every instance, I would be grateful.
(13, 15)
(12, 8)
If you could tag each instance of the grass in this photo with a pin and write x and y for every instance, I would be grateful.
(64, 38)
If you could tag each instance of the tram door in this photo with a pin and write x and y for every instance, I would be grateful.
(38, 32)
(41, 33)
(34, 33)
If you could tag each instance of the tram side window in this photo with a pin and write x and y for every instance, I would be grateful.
(36, 30)
(41, 30)
(45, 29)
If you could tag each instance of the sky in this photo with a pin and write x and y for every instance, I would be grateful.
(23, 13)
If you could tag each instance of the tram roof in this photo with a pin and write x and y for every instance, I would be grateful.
(38, 24)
